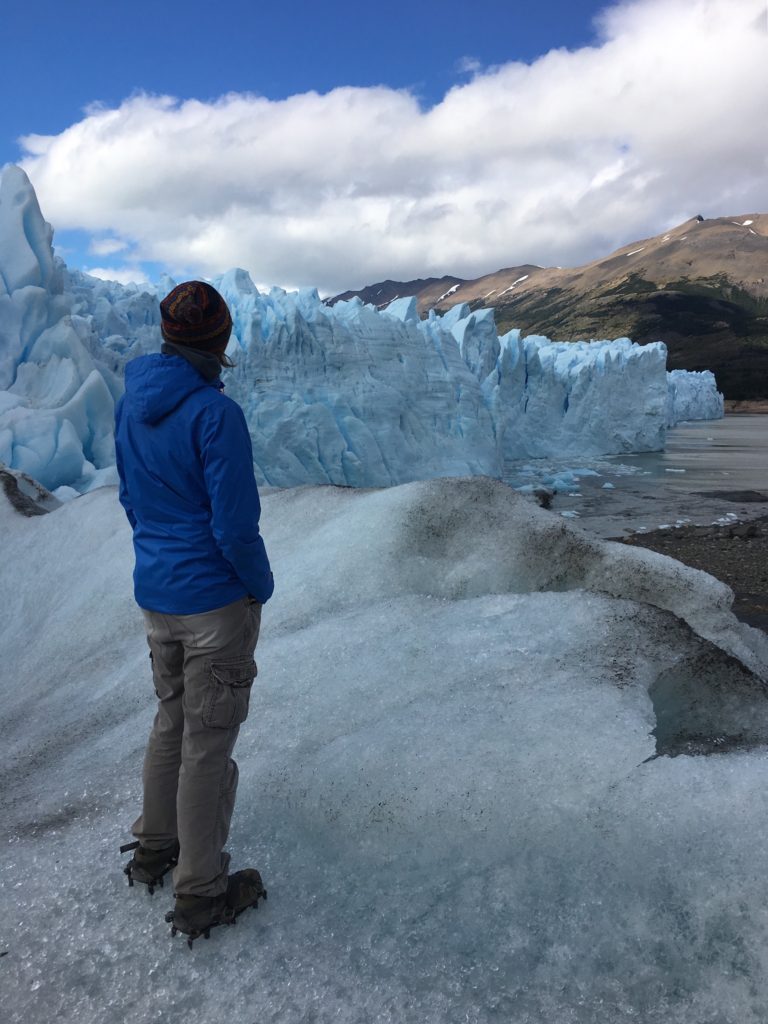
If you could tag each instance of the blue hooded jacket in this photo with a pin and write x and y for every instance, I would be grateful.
(186, 483)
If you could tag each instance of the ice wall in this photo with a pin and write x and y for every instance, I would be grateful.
(344, 394)
(569, 398)
(126, 318)
(347, 395)
(351, 395)
(693, 396)
(56, 394)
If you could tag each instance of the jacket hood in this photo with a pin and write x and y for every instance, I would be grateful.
(156, 384)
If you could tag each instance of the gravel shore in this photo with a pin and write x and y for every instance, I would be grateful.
(736, 554)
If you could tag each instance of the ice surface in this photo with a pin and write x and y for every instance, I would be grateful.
(445, 776)
(344, 395)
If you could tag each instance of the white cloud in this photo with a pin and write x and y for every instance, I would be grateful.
(107, 246)
(551, 163)
(123, 275)
(468, 65)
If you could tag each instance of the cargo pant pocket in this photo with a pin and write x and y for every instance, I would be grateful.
(228, 692)
(152, 670)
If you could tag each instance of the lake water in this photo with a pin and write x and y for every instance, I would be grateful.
(689, 482)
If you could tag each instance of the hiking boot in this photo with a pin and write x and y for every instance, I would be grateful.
(149, 866)
(244, 889)
(196, 915)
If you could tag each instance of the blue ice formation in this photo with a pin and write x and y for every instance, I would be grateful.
(57, 393)
(344, 394)
(352, 395)
(693, 395)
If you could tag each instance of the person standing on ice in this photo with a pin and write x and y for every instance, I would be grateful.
(202, 575)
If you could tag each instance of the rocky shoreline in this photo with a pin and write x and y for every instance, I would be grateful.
(756, 406)
(736, 554)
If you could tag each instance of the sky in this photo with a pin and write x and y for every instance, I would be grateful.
(336, 145)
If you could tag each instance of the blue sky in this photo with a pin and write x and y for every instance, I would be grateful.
(446, 137)
(66, 55)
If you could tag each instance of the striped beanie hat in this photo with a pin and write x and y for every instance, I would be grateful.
(194, 314)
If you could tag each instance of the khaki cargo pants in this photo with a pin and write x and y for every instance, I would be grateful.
(203, 670)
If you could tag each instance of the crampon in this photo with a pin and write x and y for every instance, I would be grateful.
(195, 916)
(149, 866)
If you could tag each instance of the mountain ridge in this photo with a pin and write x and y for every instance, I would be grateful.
(700, 287)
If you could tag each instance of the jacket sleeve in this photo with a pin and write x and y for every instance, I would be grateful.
(125, 501)
(227, 460)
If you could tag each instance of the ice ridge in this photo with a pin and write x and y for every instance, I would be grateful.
(343, 395)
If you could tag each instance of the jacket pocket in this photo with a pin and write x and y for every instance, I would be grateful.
(229, 692)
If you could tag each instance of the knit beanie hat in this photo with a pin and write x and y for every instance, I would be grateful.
(195, 314)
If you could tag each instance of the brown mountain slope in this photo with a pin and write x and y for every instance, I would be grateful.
(384, 292)
(702, 288)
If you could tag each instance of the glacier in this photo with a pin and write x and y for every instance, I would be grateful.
(693, 395)
(342, 395)
(495, 771)
(57, 392)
